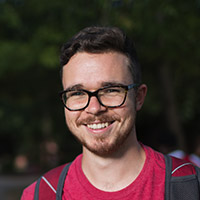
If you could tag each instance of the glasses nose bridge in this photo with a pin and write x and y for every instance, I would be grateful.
(93, 94)
(94, 105)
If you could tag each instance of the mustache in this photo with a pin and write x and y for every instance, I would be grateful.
(102, 119)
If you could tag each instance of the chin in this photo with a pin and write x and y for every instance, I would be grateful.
(104, 148)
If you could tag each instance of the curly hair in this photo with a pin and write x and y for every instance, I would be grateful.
(97, 39)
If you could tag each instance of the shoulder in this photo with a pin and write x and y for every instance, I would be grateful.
(181, 179)
(181, 167)
(51, 178)
(154, 156)
(28, 193)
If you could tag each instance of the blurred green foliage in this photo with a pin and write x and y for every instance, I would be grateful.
(166, 34)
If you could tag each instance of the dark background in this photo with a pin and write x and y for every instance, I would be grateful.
(33, 134)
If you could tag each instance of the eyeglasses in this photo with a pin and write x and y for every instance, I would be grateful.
(109, 96)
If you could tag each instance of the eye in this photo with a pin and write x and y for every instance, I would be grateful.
(75, 94)
(112, 90)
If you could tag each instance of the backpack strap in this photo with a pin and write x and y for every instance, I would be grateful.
(182, 180)
(36, 193)
(198, 174)
(61, 182)
(168, 164)
(50, 185)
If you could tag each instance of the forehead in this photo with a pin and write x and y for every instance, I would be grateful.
(92, 70)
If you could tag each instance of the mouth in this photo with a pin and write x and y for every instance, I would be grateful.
(96, 126)
(99, 124)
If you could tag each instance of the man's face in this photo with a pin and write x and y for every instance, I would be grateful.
(100, 130)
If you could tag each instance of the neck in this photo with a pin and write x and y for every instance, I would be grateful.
(116, 171)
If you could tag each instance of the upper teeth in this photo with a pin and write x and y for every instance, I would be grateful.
(97, 126)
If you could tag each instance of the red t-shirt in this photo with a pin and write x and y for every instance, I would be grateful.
(150, 183)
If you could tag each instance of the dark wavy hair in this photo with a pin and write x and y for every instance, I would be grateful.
(97, 39)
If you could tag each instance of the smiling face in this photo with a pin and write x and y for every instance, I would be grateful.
(100, 130)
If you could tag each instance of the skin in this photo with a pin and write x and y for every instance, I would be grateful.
(114, 147)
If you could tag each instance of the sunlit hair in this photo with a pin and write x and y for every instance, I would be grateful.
(97, 39)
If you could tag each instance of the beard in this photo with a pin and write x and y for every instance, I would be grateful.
(101, 145)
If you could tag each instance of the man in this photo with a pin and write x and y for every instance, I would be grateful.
(102, 92)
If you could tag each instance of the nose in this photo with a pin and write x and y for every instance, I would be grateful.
(94, 106)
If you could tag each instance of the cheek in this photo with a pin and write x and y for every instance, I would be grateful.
(127, 114)
(130, 111)
(70, 118)
(130, 104)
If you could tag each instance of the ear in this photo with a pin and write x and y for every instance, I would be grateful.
(140, 96)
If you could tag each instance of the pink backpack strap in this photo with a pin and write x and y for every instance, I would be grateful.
(182, 168)
(50, 185)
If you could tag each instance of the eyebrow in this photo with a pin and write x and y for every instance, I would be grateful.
(104, 84)
(114, 83)
(75, 87)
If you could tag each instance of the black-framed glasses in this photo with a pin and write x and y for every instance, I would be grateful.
(109, 96)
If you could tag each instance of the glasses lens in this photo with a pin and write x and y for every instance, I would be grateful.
(75, 100)
(112, 96)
